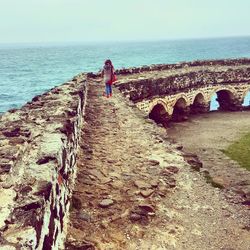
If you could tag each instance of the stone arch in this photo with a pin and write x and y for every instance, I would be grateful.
(180, 109)
(199, 97)
(159, 113)
(227, 98)
(160, 102)
(199, 104)
(182, 97)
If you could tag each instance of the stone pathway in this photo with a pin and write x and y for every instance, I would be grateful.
(135, 191)
(185, 70)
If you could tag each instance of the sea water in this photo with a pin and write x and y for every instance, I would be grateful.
(30, 69)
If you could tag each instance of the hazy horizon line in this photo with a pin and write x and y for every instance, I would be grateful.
(122, 40)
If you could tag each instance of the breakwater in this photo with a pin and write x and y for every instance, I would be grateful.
(38, 149)
(39, 142)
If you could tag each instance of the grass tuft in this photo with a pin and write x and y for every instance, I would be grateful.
(240, 151)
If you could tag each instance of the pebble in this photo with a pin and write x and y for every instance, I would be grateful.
(141, 184)
(154, 162)
(84, 216)
(7, 185)
(147, 208)
(106, 203)
(134, 217)
(154, 183)
(146, 193)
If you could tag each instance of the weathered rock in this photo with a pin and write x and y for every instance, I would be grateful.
(85, 216)
(75, 245)
(76, 202)
(154, 183)
(171, 182)
(166, 173)
(219, 182)
(154, 162)
(243, 191)
(25, 189)
(43, 188)
(142, 184)
(195, 164)
(179, 147)
(147, 208)
(5, 167)
(106, 203)
(45, 159)
(96, 173)
(135, 217)
(162, 190)
(146, 193)
(246, 203)
(7, 184)
(173, 169)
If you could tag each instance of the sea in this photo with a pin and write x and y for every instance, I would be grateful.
(27, 70)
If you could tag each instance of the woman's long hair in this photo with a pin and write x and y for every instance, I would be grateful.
(108, 62)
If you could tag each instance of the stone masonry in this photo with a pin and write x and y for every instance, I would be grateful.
(38, 146)
(39, 142)
(167, 84)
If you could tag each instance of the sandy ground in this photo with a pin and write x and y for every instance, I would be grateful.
(214, 130)
(134, 190)
(206, 135)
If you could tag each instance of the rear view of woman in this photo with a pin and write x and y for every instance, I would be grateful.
(109, 77)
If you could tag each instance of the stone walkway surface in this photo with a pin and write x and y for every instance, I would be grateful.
(185, 70)
(135, 191)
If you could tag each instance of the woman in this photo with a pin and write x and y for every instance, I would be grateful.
(109, 77)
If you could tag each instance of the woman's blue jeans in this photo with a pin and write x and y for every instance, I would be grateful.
(108, 89)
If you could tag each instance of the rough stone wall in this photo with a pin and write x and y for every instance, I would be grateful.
(141, 89)
(181, 65)
(160, 67)
(168, 101)
(38, 145)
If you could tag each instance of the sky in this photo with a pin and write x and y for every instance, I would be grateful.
(41, 21)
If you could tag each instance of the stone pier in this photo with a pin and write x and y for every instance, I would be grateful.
(129, 165)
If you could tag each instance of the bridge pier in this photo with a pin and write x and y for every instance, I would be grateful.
(180, 114)
(199, 108)
(232, 105)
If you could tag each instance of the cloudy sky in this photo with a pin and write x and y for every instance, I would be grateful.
(104, 20)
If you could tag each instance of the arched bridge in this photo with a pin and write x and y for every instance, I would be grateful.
(167, 92)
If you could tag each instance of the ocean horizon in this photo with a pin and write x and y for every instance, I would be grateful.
(27, 70)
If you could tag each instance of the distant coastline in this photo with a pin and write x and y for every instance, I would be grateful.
(99, 42)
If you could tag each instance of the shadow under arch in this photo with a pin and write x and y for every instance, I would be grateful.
(180, 110)
(199, 104)
(159, 114)
(225, 99)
